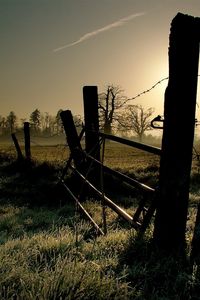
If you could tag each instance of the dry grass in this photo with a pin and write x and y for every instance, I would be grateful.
(50, 252)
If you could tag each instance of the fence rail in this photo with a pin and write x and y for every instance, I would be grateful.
(121, 176)
(141, 146)
(108, 201)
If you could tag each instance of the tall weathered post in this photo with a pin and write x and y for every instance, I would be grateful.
(178, 133)
(90, 99)
(27, 140)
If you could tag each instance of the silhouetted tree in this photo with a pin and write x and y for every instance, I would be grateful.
(11, 121)
(35, 119)
(136, 119)
(3, 125)
(58, 121)
(47, 120)
(77, 120)
(110, 103)
(45, 123)
(52, 125)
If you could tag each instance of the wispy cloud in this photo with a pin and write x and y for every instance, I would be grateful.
(91, 34)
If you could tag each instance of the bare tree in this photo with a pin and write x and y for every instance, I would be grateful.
(136, 119)
(46, 123)
(11, 121)
(59, 125)
(35, 119)
(78, 121)
(110, 103)
(3, 125)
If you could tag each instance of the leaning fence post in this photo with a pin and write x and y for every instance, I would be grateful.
(27, 140)
(178, 133)
(72, 138)
(17, 147)
(90, 100)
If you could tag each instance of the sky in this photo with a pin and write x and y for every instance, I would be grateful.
(50, 49)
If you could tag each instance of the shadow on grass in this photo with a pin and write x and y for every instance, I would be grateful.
(28, 183)
(155, 275)
(30, 199)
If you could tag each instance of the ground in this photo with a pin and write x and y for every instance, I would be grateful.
(49, 251)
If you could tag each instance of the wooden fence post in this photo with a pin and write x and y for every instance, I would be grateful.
(72, 138)
(17, 147)
(90, 99)
(27, 140)
(178, 133)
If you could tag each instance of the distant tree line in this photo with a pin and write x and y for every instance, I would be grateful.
(116, 114)
(40, 123)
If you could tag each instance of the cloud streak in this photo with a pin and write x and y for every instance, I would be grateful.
(91, 34)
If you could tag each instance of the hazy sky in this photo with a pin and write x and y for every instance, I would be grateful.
(50, 49)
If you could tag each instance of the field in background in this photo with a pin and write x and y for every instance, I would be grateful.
(116, 155)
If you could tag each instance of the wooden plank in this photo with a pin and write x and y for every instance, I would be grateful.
(17, 147)
(109, 202)
(82, 208)
(141, 146)
(72, 138)
(70, 158)
(123, 177)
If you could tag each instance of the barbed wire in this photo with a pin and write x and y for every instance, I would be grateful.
(148, 90)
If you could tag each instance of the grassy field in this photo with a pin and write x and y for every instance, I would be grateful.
(49, 251)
